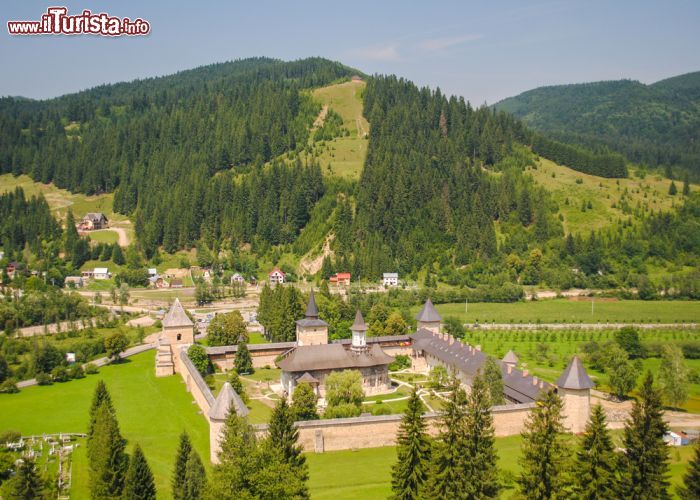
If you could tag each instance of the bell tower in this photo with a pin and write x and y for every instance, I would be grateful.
(359, 330)
(311, 330)
(428, 318)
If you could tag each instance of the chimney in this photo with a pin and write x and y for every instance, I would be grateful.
(509, 369)
(525, 373)
(534, 381)
(451, 339)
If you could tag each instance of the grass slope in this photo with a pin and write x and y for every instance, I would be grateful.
(346, 155)
(605, 195)
(151, 411)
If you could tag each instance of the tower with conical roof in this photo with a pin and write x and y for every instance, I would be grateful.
(228, 400)
(574, 387)
(359, 333)
(311, 330)
(428, 318)
(178, 331)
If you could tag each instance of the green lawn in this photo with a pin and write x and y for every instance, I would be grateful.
(256, 338)
(151, 411)
(104, 236)
(369, 470)
(572, 311)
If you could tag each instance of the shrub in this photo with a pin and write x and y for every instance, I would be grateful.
(344, 410)
(199, 358)
(43, 379)
(60, 374)
(9, 387)
(76, 371)
(381, 410)
(401, 361)
(91, 369)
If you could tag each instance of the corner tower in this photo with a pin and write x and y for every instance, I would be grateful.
(428, 318)
(178, 330)
(311, 330)
(574, 387)
(359, 333)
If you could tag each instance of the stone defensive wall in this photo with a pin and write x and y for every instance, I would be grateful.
(195, 384)
(381, 430)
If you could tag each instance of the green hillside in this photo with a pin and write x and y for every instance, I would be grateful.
(655, 125)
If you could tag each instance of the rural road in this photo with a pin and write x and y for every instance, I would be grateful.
(32, 331)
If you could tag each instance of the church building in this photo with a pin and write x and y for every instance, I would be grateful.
(313, 358)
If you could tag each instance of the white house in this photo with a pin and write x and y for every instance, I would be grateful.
(276, 276)
(74, 281)
(152, 271)
(237, 278)
(390, 279)
(101, 273)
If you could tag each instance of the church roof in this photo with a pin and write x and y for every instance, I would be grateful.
(227, 399)
(359, 324)
(311, 308)
(510, 357)
(428, 314)
(176, 316)
(307, 377)
(332, 357)
(517, 385)
(575, 376)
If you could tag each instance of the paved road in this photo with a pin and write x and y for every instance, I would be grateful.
(131, 351)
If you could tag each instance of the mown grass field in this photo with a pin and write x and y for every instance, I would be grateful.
(574, 311)
(346, 155)
(151, 411)
(650, 193)
(104, 236)
(369, 470)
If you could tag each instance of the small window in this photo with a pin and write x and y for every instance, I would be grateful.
(179, 336)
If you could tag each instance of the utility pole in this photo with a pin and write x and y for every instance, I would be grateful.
(466, 306)
(592, 305)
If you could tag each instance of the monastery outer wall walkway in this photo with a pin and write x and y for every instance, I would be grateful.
(195, 384)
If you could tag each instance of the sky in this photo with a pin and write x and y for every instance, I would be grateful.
(482, 50)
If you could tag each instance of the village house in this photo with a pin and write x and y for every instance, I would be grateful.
(156, 281)
(390, 279)
(93, 221)
(313, 358)
(152, 271)
(276, 276)
(74, 281)
(237, 279)
(12, 268)
(340, 279)
(98, 273)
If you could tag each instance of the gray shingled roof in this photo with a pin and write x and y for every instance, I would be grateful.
(575, 376)
(227, 399)
(517, 386)
(510, 357)
(311, 308)
(332, 357)
(359, 324)
(307, 377)
(176, 316)
(428, 314)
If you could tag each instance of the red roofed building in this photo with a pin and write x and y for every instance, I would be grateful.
(341, 279)
(276, 276)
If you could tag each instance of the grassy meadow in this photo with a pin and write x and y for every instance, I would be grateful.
(574, 311)
(605, 195)
(151, 411)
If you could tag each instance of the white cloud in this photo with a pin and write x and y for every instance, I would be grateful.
(437, 44)
(385, 52)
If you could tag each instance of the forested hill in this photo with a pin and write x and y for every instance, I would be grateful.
(656, 125)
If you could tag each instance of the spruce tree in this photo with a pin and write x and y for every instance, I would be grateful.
(243, 362)
(26, 485)
(237, 386)
(72, 236)
(595, 460)
(178, 480)
(672, 190)
(644, 464)
(480, 470)
(691, 479)
(445, 474)
(686, 185)
(101, 395)
(284, 436)
(195, 478)
(494, 381)
(410, 472)
(544, 451)
(107, 460)
(138, 482)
